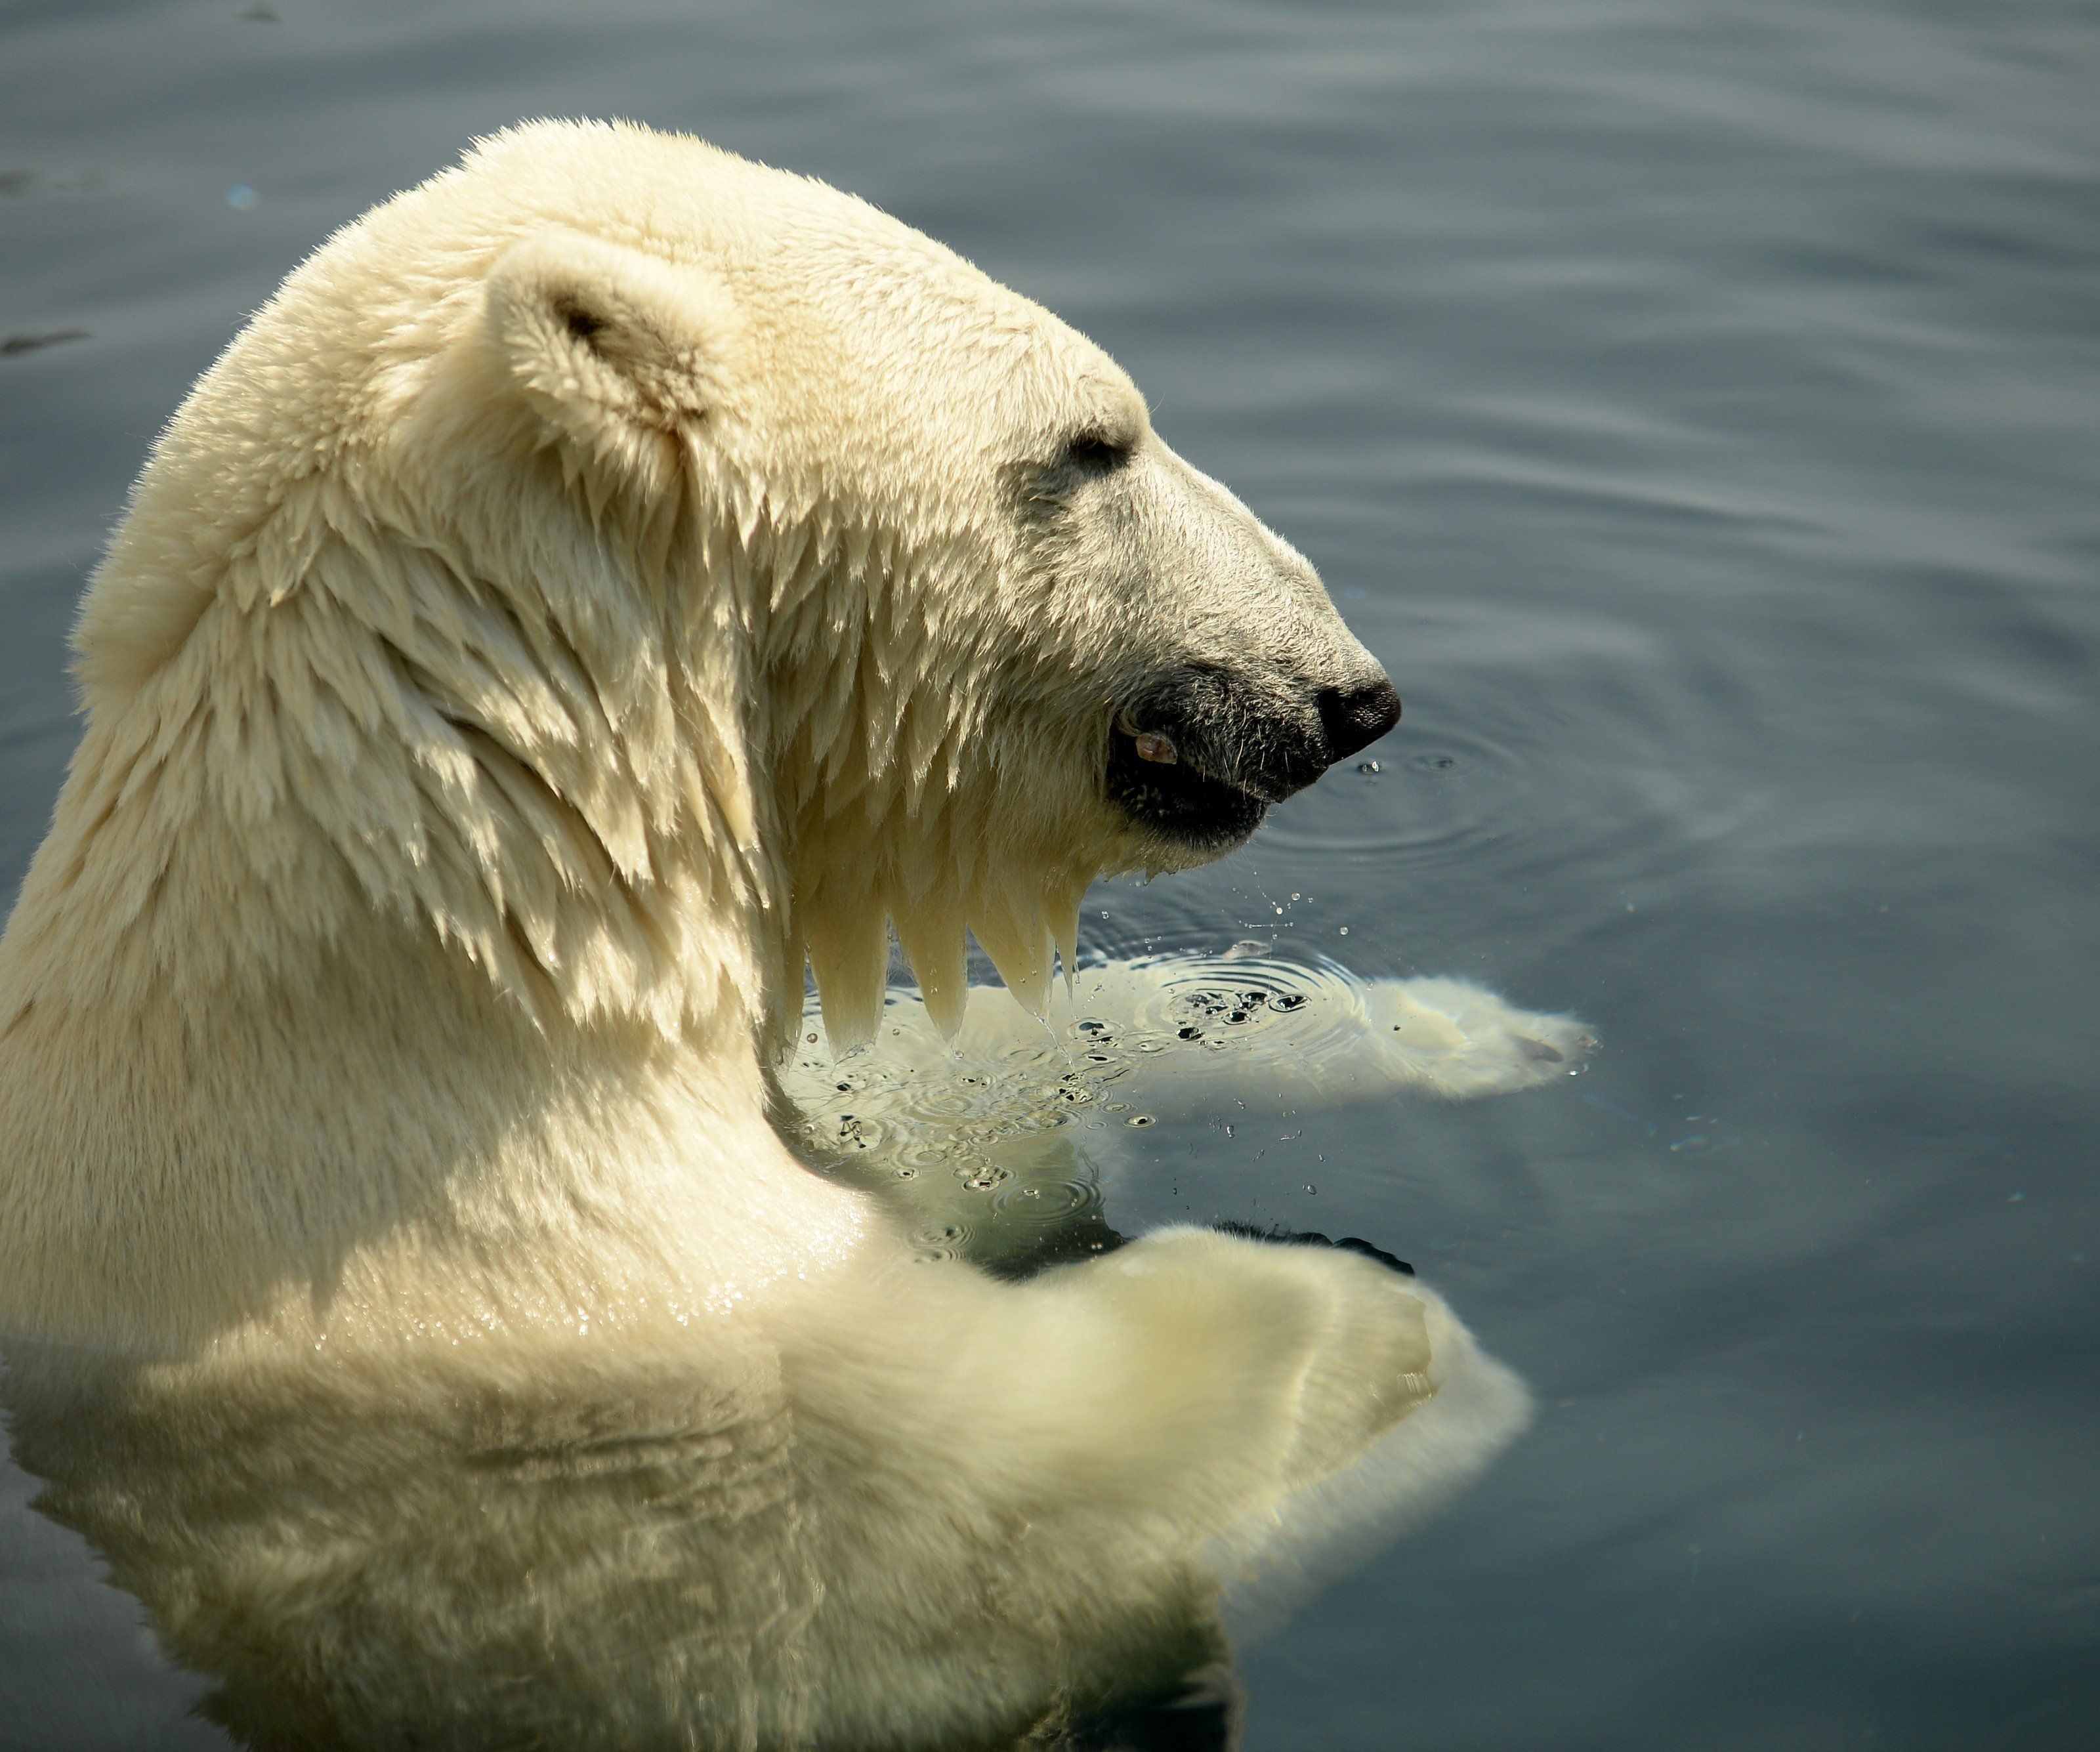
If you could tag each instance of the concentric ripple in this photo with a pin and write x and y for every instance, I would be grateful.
(1467, 795)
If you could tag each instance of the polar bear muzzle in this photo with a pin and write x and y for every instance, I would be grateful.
(1199, 758)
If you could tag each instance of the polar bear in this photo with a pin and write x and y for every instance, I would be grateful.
(601, 583)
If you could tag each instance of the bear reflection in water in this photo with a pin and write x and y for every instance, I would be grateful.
(442, 1273)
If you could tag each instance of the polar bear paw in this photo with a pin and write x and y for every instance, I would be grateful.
(1309, 1351)
(1344, 1395)
(1454, 1039)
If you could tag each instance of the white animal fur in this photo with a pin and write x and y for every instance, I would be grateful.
(590, 585)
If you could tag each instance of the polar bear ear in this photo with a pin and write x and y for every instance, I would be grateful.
(601, 338)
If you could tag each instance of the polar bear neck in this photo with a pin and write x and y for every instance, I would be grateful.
(889, 811)
(387, 905)
(359, 721)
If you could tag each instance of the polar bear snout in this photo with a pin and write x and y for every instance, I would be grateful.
(1200, 756)
(1353, 718)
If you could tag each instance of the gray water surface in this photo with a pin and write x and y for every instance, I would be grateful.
(1697, 407)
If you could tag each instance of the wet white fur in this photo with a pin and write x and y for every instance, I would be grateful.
(484, 716)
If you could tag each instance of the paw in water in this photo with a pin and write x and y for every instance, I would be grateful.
(1456, 1039)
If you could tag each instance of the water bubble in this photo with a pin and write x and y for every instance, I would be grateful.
(1139, 1119)
(1055, 1200)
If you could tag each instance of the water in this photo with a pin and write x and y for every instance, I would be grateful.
(1697, 408)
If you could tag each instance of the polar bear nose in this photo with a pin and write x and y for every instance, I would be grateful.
(1355, 717)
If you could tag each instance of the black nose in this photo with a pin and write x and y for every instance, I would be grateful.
(1355, 717)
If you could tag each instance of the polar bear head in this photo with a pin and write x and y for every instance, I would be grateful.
(741, 571)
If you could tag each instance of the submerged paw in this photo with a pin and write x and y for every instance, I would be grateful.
(1460, 1039)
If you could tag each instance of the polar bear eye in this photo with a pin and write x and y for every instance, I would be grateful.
(1095, 453)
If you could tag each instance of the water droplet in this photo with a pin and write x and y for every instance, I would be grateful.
(242, 198)
(1370, 767)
